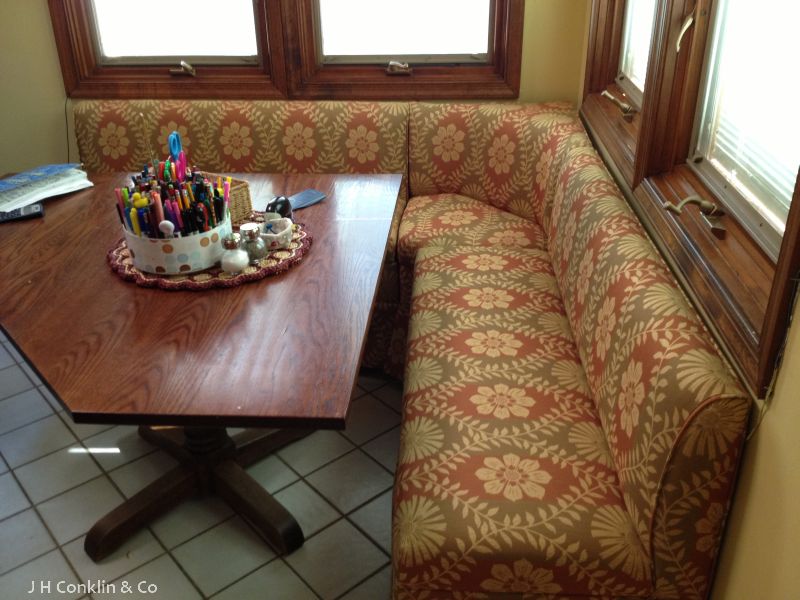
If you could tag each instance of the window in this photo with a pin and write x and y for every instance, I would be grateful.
(749, 142)
(91, 70)
(312, 77)
(232, 35)
(411, 31)
(289, 48)
(718, 122)
(636, 35)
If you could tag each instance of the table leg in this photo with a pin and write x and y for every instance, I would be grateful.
(116, 527)
(210, 463)
(252, 501)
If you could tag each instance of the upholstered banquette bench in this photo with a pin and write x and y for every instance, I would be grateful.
(569, 428)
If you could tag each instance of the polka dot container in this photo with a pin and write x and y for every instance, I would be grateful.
(178, 256)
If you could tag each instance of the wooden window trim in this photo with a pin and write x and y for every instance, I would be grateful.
(309, 78)
(289, 66)
(744, 295)
(85, 77)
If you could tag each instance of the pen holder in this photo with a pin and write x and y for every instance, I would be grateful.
(178, 256)
(240, 204)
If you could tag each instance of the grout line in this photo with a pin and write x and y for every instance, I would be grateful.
(169, 552)
(29, 423)
(370, 576)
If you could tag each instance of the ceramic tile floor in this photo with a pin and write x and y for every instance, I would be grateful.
(338, 485)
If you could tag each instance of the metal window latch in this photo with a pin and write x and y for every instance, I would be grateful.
(710, 213)
(398, 68)
(185, 69)
(627, 110)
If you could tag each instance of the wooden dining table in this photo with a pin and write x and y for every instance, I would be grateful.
(281, 353)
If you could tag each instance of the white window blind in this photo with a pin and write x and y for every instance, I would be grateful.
(636, 35)
(749, 134)
(416, 30)
(177, 28)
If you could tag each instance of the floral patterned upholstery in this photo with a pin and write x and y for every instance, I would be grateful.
(259, 136)
(505, 482)
(498, 154)
(531, 377)
(476, 158)
(456, 221)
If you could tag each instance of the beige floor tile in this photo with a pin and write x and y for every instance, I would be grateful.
(22, 409)
(35, 440)
(134, 476)
(351, 481)
(13, 381)
(222, 555)
(348, 558)
(125, 439)
(368, 419)
(50, 569)
(138, 550)
(169, 581)
(375, 519)
(377, 587)
(274, 581)
(190, 518)
(56, 473)
(310, 453)
(73, 513)
(385, 448)
(12, 498)
(22, 537)
(272, 474)
(309, 509)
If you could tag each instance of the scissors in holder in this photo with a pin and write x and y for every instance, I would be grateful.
(177, 153)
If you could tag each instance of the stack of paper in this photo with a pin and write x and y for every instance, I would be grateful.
(40, 183)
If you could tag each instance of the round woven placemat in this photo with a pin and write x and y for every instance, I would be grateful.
(278, 261)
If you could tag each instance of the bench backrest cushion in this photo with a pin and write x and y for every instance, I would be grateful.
(496, 153)
(673, 414)
(246, 136)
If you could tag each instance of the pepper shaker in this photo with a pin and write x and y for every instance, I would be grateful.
(253, 244)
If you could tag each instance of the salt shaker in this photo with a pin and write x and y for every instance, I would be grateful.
(253, 244)
(234, 259)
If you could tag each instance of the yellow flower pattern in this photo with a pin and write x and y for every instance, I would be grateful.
(513, 477)
(502, 401)
(298, 141)
(113, 141)
(501, 154)
(494, 343)
(523, 579)
(362, 144)
(487, 298)
(236, 140)
(448, 143)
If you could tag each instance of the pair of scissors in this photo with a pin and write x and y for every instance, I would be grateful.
(177, 153)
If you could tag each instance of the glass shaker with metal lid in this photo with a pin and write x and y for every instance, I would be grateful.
(252, 242)
(234, 259)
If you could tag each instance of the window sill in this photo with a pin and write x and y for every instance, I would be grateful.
(729, 280)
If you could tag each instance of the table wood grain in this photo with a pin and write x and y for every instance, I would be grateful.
(282, 352)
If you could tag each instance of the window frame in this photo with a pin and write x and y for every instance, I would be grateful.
(289, 65)
(311, 78)
(744, 295)
(85, 75)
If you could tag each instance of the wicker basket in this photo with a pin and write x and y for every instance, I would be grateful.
(241, 206)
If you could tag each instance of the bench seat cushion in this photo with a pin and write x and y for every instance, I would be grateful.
(505, 484)
(454, 220)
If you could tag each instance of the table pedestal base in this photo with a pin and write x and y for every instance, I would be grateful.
(211, 462)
